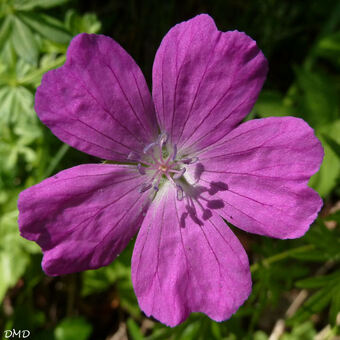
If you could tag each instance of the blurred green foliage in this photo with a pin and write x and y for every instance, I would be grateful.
(302, 43)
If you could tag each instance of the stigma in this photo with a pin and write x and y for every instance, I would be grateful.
(160, 163)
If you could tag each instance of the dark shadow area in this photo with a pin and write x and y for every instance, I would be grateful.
(199, 207)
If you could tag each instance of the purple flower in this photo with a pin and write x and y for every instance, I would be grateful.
(187, 162)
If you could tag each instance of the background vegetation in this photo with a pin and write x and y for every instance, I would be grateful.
(296, 283)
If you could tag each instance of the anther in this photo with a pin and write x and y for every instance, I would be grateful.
(145, 187)
(141, 169)
(190, 160)
(180, 193)
(174, 152)
(148, 147)
(162, 139)
(134, 156)
(179, 174)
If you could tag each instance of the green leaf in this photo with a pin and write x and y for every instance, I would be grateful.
(34, 78)
(325, 243)
(127, 295)
(95, 281)
(73, 328)
(26, 317)
(16, 105)
(335, 216)
(134, 330)
(317, 97)
(335, 146)
(8, 59)
(24, 42)
(12, 267)
(325, 180)
(6, 96)
(5, 30)
(13, 259)
(329, 47)
(320, 281)
(304, 331)
(260, 335)
(317, 302)
(21, 69)
(87, 23)
(335, 306)
(27, 5)
(271, 103)
(98, 280)
(46, 26)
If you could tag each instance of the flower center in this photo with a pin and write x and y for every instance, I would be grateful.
(163, 168)
(160, 162)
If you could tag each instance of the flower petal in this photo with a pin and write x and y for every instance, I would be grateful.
(205, 81)
(98, 102)
(181, 264)
(264, 166)
(83, 217)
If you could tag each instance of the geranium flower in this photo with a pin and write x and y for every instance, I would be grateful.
(182, 161)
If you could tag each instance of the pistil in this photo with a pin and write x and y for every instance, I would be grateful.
(159, 162)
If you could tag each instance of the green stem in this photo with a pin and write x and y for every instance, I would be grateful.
(281, 256)
(55, 161)
(31, 77)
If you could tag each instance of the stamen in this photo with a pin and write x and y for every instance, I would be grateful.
(170, 179)
(180, 193)
(148, 147)
(141, 169)
(134, 156)
(156, 181)
(174, 152)
(145, 187)
(179, 174)
(158, 160)
(190, 160)
(153, 158)
(147, 163)
(162, 139)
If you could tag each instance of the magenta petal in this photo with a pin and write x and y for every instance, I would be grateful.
(98, 102)
(179, 266)
(264, 166)
(83, 217)
(205, 81)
